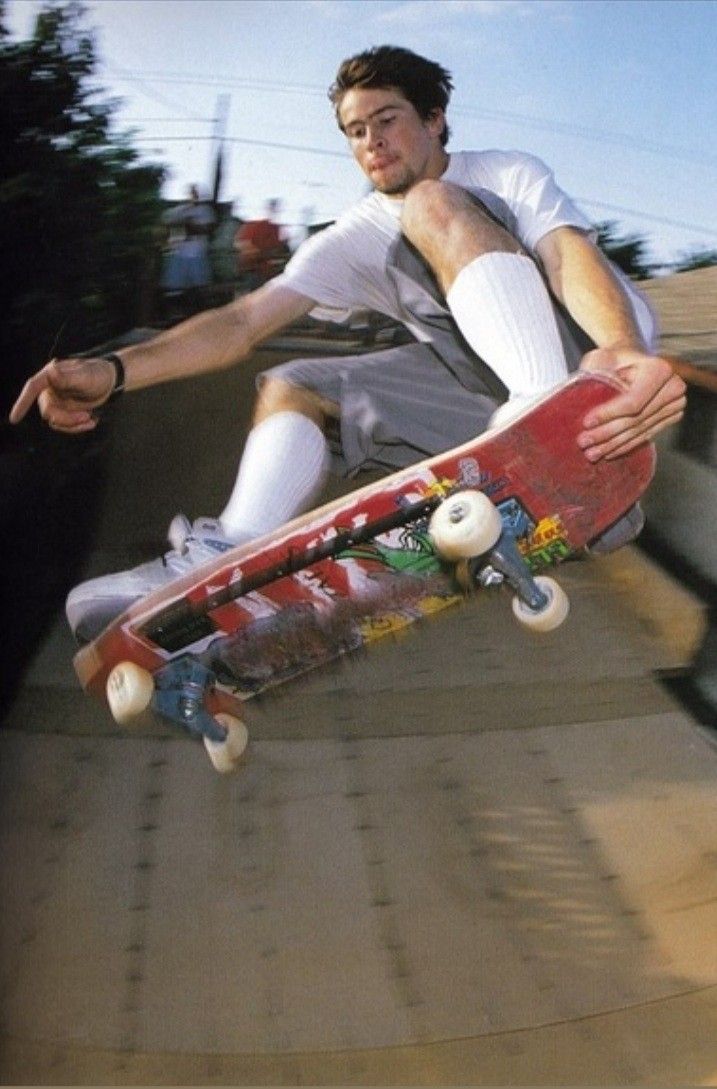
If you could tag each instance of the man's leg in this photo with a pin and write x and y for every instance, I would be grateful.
(494, 291)
(283, 467)
(285, 460)
(499, 302)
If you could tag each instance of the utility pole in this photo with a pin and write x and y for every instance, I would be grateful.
(217, 164)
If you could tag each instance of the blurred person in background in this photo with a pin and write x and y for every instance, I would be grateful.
(187, 269)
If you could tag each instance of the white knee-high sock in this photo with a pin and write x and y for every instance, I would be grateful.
(284, 465)
(503, 309)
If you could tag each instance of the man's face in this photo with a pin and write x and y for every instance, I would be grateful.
(394, 147)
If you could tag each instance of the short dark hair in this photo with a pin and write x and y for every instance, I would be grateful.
(425, 84)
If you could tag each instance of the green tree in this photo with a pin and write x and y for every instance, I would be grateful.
(78, 223)
(699, 257)
(78, 211)
(628, 252)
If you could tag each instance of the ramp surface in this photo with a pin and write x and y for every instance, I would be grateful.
(453, 860)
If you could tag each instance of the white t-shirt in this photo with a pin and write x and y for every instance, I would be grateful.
(343, 267)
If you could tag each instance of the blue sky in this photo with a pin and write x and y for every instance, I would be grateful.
(618, 96)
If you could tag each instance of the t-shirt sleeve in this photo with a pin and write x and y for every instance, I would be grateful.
(539, 204)
(323, 269)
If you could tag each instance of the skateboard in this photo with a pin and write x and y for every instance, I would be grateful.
(493, 512)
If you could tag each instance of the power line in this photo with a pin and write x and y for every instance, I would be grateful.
(584, 132)
(252, 143)
(165, 120)
(698, 228)
(129, 75)
(156, 96)
(560, 128)
(638, 214)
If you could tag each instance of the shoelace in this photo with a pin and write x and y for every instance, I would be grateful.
(196, 550)
(191, 554)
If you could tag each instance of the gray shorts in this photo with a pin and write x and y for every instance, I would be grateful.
(397, 406)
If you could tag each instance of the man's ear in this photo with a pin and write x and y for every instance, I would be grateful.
(436, 120)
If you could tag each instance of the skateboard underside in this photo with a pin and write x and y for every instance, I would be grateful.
(363, 593)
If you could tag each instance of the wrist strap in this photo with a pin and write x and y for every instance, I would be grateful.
(119, 381)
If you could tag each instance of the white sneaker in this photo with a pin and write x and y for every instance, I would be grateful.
(92, 605)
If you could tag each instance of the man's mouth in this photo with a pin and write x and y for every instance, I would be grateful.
(380, 164)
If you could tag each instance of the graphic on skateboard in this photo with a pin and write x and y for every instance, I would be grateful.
(496, 510)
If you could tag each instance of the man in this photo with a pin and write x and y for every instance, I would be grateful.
(261, 249)
(458, 247)
(187, 270)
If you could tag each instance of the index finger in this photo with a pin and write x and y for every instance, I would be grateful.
(30, 393)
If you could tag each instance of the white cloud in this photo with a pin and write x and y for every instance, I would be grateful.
(330, 9)
(413, 12)
(433, 14)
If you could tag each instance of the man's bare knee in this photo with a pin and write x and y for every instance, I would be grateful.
(450, 228)
(276, 395)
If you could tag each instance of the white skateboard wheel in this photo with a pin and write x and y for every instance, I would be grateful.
(465, 525)
(226, 754)
(129, 691)
(552, 615)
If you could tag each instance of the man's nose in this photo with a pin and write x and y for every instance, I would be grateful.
(374, 137)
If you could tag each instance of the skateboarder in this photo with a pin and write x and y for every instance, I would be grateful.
(479, 254)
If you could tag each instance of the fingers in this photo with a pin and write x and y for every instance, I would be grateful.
(654, 398)
(30, 394)
(66, 393)
(623, 434)
(61, 417)
(622, 415)
(647, 390)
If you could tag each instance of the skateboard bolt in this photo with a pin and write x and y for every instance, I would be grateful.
(187, 708)
(457, 513)
(490, 577)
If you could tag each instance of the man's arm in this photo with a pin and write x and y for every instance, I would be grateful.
(580, 276)
(69, 391)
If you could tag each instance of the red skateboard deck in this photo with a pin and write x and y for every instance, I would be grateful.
(365, 565)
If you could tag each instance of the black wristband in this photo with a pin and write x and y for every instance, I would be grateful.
(119, 381)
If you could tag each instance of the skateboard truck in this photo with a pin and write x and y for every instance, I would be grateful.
(468, 529)
(177, 692)
(505, 558)
(180, 688)
(539, 602)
